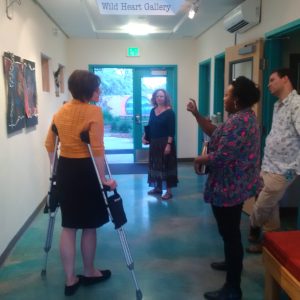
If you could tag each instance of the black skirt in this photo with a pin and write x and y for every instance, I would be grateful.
(79, 194)
(162, 168)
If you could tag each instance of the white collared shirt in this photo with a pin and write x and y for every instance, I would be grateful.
(282, 150)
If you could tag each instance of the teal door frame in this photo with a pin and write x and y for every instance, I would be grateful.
(274, 59)
(139, 72)
(204, 94)
(219, 83)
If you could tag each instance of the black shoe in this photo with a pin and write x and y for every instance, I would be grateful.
(224, 293)
(220, 266)
(71, 289)
(254, 234)
(254, 248)
(85, 280)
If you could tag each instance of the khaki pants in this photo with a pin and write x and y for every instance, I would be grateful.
(266, 208)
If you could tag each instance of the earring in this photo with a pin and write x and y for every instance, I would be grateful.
(235, 104)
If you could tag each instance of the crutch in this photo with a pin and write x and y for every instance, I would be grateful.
(52, 205)
(116, 213)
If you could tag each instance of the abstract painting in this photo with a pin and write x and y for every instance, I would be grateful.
(14, 81)
(21, 92)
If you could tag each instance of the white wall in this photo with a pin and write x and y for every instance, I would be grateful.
(182, 53)
(24, 167)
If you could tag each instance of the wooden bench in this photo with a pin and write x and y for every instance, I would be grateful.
(281, 257)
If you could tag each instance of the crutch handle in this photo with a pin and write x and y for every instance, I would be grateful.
(106, 188)
(85, 137)
(54, 129)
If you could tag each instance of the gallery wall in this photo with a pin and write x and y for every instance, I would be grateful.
(181, 53)
(24, 166)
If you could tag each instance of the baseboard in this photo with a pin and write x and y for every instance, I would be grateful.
(15, 239)
(188, 159)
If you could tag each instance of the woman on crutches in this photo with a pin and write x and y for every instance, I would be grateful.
(79, 195)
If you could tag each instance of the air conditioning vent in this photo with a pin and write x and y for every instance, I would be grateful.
(238, 26)
(243, 17)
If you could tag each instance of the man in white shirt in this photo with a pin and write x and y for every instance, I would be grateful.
(281, 161)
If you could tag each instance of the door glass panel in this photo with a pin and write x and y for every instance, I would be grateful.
(117, 106)
(241, 68)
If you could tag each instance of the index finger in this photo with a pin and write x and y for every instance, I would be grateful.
(191, 99)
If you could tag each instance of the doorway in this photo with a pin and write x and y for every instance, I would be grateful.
(126, 105)
(204, 96)
(282, 49)
(245, 60)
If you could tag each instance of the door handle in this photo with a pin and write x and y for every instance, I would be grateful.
(137, 119)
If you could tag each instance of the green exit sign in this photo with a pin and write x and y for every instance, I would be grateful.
(133, 51)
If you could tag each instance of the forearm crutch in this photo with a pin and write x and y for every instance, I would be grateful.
(52, 205)
(116, 213)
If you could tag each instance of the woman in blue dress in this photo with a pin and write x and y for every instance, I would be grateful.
(162, 172)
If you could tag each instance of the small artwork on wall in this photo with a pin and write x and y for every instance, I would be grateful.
(21, 92)
(14, 81)
(30, 96)
(57, 79)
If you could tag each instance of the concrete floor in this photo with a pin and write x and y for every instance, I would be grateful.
(172, 244)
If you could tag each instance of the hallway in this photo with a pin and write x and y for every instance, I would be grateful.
(172, 244)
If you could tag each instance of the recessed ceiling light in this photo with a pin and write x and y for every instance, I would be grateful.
(138, 29)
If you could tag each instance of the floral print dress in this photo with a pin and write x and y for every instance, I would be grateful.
(234, 158)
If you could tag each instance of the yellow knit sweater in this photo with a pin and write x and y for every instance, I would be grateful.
(73, 118)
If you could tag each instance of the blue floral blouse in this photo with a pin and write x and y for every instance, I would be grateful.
(234, 157)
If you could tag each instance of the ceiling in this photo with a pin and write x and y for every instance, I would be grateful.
(82, 18)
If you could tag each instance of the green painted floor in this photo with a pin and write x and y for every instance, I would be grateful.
(172, 244)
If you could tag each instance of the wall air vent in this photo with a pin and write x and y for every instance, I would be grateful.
(243, 17)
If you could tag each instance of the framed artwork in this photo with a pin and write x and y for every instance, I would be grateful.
(14, 81)
(30, 95)
(21, 92)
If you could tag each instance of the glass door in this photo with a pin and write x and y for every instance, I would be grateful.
(126, 105)
(117, 106)
(146, 82)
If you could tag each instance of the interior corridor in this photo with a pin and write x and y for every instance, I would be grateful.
(172, 244)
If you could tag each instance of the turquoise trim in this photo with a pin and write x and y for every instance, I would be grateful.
(219, 83)
(204, 87)
(204, 62)
(273, 53)
(204, 94)
(220, 55)
(92, 66)
(294, 25)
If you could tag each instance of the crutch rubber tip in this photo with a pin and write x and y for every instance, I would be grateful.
(139, 295)
(43, 274)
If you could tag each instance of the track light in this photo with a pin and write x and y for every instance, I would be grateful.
(193, 10)
(192, 13)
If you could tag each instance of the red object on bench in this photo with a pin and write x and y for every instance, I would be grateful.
(281, 257)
